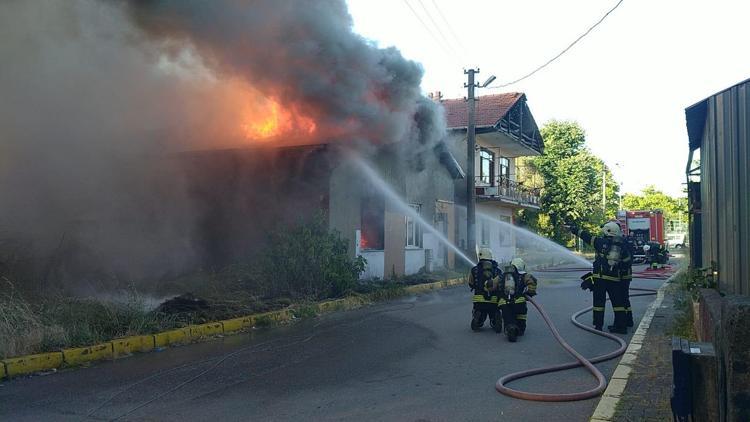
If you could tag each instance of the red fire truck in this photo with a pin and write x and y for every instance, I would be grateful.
(642, 227)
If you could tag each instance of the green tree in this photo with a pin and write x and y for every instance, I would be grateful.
(569, 178)
(654, 199)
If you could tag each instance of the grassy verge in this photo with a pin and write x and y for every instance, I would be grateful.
(53, 323)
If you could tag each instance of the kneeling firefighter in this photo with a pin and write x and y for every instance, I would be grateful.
(517, 283)
(611, 277)
(484, 280)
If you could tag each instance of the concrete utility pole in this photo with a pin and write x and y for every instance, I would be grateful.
(604, 191)
(471, 216)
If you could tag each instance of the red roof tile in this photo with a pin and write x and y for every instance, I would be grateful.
(489, 109)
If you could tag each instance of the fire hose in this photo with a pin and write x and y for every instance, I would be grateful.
(501, 385)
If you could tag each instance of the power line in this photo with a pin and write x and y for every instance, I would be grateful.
(437, 27)
(429, 30)
(528, 75)
(448, 25)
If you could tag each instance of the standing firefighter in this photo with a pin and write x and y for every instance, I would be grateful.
(484, 280)
(517, 283)
(611, 276)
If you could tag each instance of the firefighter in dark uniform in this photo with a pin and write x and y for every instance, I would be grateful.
(613, 271)
(484, 280)
(516, 284)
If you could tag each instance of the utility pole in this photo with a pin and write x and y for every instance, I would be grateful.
(604, 191)
(471, 216)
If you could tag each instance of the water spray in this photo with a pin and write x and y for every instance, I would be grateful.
(501, 385)
(402, 206)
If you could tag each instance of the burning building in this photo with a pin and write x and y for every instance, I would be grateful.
(240, 193)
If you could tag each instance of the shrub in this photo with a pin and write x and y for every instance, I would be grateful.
(307, 260)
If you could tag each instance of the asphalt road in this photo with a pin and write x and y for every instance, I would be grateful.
(413, 359)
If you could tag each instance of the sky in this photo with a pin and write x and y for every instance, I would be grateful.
(627, 83)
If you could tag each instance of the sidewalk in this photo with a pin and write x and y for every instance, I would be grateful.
(646, 396)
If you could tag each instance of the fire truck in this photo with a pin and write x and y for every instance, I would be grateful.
(642, 227)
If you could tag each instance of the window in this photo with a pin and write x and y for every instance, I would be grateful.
(372, 214)
(504, 167)
(505, 230)
(486, 167)
(485, 232)
(413, 229)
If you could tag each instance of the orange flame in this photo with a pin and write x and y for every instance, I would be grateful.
(271, 121)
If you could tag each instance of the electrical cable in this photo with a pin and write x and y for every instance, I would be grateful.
(437, 27)
(448, 25)
(501, 385)
(565, 50)
(446, 49)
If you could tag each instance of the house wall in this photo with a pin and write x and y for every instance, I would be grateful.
(502, 239)
(344, 205)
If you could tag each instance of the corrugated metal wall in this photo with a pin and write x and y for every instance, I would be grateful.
(725, 188)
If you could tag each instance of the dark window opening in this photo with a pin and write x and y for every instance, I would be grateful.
(372, 214)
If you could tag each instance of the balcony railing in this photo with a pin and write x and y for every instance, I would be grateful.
(506, 189)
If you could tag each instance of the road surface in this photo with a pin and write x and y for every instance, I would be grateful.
(412, 359)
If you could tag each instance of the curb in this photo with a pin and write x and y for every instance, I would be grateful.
(605, 410)
(126, 346)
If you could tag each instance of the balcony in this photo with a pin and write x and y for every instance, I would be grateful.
(506, 190)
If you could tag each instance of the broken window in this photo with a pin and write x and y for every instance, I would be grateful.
(372, 214)
(413, 229)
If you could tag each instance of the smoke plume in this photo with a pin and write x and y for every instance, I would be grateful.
(100, 97)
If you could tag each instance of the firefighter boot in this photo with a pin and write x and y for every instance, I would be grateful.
(496, 321)
(477, 319)
(511, 331)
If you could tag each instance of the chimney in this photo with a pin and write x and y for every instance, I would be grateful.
(436, 96)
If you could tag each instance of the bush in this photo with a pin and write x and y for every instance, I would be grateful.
(307, 260)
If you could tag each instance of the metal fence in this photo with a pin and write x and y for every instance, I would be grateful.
(719, 127)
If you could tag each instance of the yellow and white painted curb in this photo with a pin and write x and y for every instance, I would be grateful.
(124, 347)
(605, 410)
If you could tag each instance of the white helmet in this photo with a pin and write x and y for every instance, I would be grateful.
(519, 264)
(646, 248)
(485, 253)
(611, 229)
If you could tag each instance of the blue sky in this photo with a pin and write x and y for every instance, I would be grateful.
(627, 83)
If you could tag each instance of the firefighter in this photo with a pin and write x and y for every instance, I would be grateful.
(611, 277)
(517, 283)
(484, 279)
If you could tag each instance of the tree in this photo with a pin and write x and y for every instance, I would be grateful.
(654, 199)
(570, 179)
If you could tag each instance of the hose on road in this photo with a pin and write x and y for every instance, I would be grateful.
(501, 385)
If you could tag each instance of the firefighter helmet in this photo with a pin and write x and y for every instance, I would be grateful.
(519, 264)
(646, 248)
(485, 253)
(611, 229)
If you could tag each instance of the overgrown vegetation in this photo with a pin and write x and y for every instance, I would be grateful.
(309, 261)
(687, 284)
(305, 263)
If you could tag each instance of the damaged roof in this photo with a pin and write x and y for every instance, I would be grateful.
(490, 109)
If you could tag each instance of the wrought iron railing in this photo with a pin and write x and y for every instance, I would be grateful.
(505, 188)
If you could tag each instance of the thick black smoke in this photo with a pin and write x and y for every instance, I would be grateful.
(99, 97)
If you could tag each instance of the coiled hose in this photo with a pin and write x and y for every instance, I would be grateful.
(502, 388)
